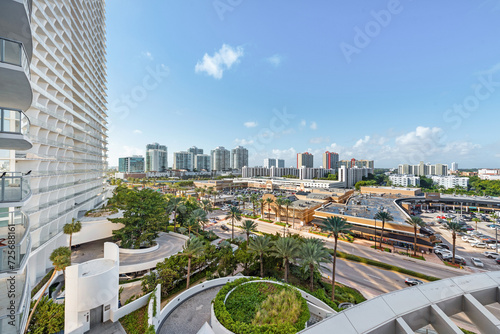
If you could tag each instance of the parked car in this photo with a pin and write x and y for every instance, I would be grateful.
(413, 281)
(458, 259)
(494, 246)
(479, 245)
(491, 255)
(498, 260)
(224, 227)
(477, 262)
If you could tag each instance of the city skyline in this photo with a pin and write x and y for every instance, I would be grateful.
(279, 96)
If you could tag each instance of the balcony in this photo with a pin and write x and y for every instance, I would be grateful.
(13, 323)
(15, 87)
(14, 129)
(15, 241)
(15, 22)
(14, 189)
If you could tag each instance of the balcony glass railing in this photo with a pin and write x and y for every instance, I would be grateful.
(12, 322)
(12, 52)
(14, 121)
(14, 187)
(14, 240)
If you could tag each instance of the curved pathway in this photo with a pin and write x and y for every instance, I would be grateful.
(189, 316)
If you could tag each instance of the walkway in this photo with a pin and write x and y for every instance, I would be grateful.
(108, 327)
(189, 316)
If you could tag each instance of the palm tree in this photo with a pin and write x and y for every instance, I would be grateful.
(175, 205)
(384, 216)
(192, 248)
(244, 199)
(312, 253)
(286, 249)
(261, 203)
(280, 201)
(200, 217)
(287, 202)
(416, 222)
(61, 258)
(206, 205)
(477, 220)
(455, 228)
(234, 214)
(269, 201)
(70, 228)
(191, 224)
(260, 246)
(335, 225)
(254, 199)
(249, 226)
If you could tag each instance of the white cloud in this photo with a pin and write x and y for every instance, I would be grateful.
(131, 150)
(137, 132)
(147, 55)
(313, 126)
(250, 124)
(243, 141)
(221, 60)
(275, 60)
(303, 122)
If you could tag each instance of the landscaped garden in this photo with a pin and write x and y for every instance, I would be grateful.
(260, 307)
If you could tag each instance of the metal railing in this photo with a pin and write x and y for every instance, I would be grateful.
(14, 121)
(14, 187)
(13, 323)
(12, 52)
(15, 241)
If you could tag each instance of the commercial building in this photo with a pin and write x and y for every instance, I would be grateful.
(202, 162)
(357, 163)
(351, 176)
(156, 158)
(423, 169)
(220, 159)
(405, 180)
(183, 160)
(449, 182)
(195, 150)
(52, 136)
(133, 164)
(330, 160)
(239, 157)
(274, 162)
(305, 159)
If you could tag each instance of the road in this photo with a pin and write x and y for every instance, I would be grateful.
(369, 280)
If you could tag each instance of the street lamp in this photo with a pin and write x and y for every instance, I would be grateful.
(375, 234)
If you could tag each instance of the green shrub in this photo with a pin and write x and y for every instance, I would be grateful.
(282, 224)
(44, 280)
(239, 327)
(48, 317)
(266, 220)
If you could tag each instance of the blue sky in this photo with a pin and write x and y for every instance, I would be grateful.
(393, 81)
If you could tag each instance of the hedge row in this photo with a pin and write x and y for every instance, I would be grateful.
(382, 265)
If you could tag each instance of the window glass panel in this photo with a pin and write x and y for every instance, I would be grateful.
(12, 53)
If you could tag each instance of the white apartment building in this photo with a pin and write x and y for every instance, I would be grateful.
(239, 157)
(195, 150)
(351, 176)
(313, 173)
(52, 68)
(449, 182)
(405, 180)
(255, 171)
(423, 169)
(220, 159)
(489, 174)
(454, 166)
(285, 171)
(274, 162)
(156, 158)
(183, 160)
(202, 162)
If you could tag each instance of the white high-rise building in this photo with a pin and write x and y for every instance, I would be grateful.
(454, 167)
(351, 176)
(239, 157)
(52, 67)
(449, 182)
(156, 158)
(220, 159)
(195, 150)
(202, 162)
(183, 160)
(274, 162)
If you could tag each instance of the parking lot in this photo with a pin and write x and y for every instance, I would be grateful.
(464, 248)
